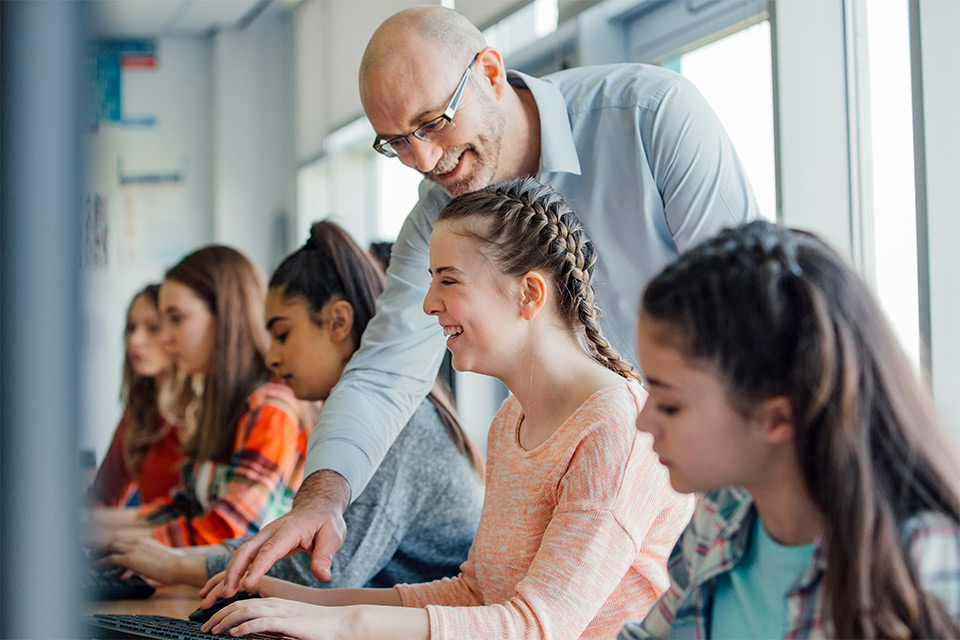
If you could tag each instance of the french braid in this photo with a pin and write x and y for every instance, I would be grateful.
(526, 225)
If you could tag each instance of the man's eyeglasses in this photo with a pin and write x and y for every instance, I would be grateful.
(430, 131)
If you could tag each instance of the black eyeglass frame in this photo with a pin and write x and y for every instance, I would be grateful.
(426, 131)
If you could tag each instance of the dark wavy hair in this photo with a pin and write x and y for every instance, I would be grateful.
(330, 266)
(777, 312)
(525, 225)
(233, 289)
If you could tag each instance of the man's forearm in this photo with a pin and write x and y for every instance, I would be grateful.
(324, 488)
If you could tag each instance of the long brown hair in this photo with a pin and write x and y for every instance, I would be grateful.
(524, 226)
(139, 397)
(233, 289)
(330, 266)
(777, 312)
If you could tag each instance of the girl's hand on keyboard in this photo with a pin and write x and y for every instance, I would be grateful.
(289, 618)
(284, 617)
(155, 561)
(268, 587)
(213, 590)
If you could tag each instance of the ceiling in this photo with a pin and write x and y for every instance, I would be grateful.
(156, 18)
(116, 19)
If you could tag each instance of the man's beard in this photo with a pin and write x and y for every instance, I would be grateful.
(486, 154)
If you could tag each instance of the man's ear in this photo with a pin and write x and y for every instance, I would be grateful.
(776, 419)
(340, 314)
(490, 70)
(533, 294)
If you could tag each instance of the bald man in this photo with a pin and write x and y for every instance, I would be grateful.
(633, 148)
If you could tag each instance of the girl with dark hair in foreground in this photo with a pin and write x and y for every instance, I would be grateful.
(831, 501)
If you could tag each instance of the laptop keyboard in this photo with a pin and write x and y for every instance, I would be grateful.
(119, 625)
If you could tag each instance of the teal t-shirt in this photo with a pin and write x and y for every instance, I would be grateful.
(750, 600)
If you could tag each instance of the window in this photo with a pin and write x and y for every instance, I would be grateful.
(890, 155)
(734, 75)
(523, 27)
(397, 192)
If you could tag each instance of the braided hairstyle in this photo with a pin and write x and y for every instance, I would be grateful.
(524, 226)
(774, 311)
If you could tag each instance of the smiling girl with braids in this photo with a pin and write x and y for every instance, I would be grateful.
(579, 516)
(832, 501)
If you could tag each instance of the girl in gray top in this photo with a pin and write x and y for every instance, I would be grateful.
(416, 519)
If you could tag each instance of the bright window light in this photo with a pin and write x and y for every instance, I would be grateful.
(524, 26)
(396, 194)
(734, 74)
(891, 144)
(546, 13)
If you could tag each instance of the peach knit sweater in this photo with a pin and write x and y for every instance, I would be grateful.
(574, 535)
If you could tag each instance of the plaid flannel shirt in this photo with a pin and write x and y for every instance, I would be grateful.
(220, 501)
(716, 538)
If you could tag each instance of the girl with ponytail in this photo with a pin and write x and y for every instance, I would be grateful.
(831, 503)
(579, 517)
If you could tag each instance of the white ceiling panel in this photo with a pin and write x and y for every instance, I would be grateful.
(483, 13)
(154, 18)
(202, 15)
(125, 18)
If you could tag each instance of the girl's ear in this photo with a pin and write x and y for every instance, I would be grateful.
(340, 314)
(533, 294)
(489, 67)
(776, 419)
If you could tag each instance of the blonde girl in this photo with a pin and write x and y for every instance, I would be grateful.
(144, 454)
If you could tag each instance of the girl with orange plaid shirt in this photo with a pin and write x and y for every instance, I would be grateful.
(246, 436)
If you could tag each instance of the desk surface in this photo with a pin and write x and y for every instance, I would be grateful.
(175, 601)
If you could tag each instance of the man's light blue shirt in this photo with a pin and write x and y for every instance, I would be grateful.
(645, 163)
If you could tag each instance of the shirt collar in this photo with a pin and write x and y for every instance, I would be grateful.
(558, 153)
(734, 517)
(734, 520)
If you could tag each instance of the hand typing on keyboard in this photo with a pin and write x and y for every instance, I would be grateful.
(278, 603)
(284, 617)
(303, 612)
(116, 625)
(202, 614)
(111, 584)
(268, 587)
(155, 561)
(101, 581)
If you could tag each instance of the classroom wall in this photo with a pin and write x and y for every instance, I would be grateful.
(144, 227)
(215, 164)
(253, 137)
